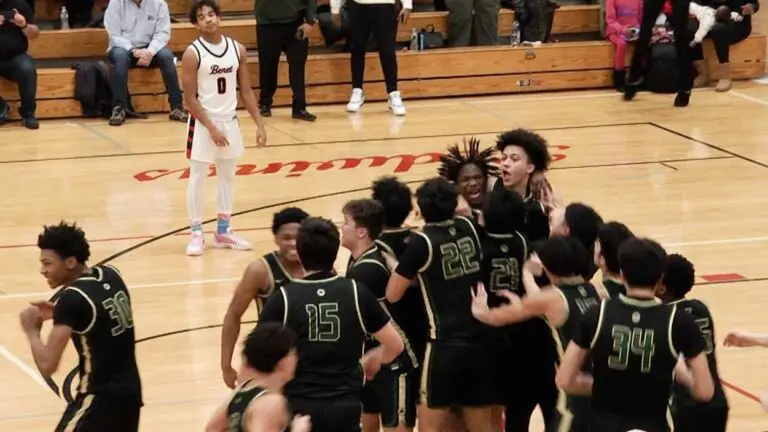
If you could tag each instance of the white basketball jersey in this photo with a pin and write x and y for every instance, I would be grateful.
(217, 76)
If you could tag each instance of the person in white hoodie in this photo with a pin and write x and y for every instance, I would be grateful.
(381, 18)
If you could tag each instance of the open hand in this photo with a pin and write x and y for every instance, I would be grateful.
(739, 339)
(404, 15)
(479, 300)
(218, 137)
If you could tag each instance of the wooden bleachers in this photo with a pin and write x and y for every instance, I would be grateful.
(93, 42)
(437, 73)
(50, 9)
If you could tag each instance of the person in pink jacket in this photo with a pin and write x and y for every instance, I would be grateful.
(622, 26)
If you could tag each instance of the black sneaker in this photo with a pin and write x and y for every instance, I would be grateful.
(118, 116)
(4, 114)
(304, 115)
(683, 98)
(265, 111)
(30, 122)
(179, 115)
(631, 88)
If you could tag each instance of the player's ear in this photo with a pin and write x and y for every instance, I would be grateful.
(70, 262)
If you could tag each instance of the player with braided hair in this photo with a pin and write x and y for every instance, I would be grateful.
(469, 170)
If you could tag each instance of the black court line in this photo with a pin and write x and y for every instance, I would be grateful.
(712, 146)
(674, 168)
(328, 142)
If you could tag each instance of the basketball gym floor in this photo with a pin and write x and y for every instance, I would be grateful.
(695, 179)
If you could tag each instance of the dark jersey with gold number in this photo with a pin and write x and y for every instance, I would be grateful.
(446, 257)
(331, 316)
(681, 397)
(614, 287)
(574, 411)
(278, 276)
(503, 258)
(97, 307)
(238, 405)
(370, 270)
(635, 344)
(414, 320)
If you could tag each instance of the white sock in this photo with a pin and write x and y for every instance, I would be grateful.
(198, 171)
(225, 186)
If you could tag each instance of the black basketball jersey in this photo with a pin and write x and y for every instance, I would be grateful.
(536, 217)
(446, 257)
(614, 287)
(331, 316)
(414, 322)
(97, 307)
(681, 397)
(238, 405)
(370, 270)
(278, 276)
(635, 345)
(503, 258)
(580, 298)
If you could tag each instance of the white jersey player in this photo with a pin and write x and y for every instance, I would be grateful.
(213, 68)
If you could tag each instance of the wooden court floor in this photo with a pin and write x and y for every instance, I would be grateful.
(695, 179)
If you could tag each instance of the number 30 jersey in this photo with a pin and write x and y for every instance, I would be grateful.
(97, 307)
(217, 76)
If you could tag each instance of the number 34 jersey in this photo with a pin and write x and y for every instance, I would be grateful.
(97, 307)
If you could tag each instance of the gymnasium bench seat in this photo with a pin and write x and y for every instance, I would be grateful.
(81, 43)
(438, 73)
(50, 9)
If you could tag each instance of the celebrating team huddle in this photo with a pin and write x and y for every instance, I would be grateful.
(471, 320)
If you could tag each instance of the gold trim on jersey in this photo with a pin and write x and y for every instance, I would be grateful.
(428, 307)
(500, 236)
(396, 230)
(567, 312)
(444, 223)
(87, 365)
(279, 262)
(357, 307)
(599, 324)
(640, 302)
(406, 343)
(114, 269)
(477, 236)
(93, 308)
(285, 305)
(669, 332)
(72, 424)
(566, 416)
(271, 277)
(424, 385)
(314, 281)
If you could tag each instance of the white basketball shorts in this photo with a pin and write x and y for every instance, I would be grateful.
(200, 146)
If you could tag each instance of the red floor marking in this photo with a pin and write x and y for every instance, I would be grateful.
(741, 391)
(723, 277)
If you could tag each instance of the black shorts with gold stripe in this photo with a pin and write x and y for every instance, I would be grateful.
(572, 414)
(456, 374)
(393, 395)
(91, 413)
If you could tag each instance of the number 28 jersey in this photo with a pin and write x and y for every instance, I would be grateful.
(217, 76)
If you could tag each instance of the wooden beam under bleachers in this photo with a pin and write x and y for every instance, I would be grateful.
(437, 73)
(80, 43)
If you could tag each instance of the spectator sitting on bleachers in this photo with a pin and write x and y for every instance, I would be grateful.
(724, 34)
(464, 16)
(16, 28)
(139, 31)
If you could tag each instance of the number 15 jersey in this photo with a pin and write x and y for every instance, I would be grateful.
(217, 76)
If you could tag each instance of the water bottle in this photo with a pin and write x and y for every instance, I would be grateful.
(515, 39)
(64, 16)
(414, 39)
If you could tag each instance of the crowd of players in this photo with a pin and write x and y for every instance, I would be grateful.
(478, 316)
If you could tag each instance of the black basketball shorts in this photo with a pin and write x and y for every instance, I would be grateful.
(456, 374)
(393, 396)
(329, 415)
(91, 413)
(701, 418)
(572, 414)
